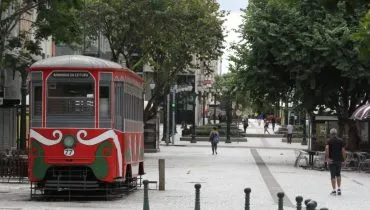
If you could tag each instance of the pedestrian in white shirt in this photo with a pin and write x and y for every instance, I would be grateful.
(289, 133)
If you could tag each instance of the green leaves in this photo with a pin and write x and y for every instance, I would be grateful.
(303, 51)
(166, 34)
(61, 20)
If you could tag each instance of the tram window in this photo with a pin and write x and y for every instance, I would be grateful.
(70, 102)
(37, 100)
(118, 106)
(64, 89)
(70, 98)
(104, 101)
(130, 106)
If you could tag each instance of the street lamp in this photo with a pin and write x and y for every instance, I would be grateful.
(304, 140)
(228, 113)
(193, 133)
(152, 86)
(203, 95)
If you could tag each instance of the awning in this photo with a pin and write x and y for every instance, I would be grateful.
(362, 113)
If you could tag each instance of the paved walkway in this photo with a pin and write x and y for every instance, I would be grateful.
(264, 165)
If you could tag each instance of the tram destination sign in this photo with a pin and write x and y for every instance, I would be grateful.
(71, 75)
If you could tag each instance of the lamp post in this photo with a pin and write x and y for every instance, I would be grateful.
(214, 113)
(204, 95)
(304, 140)
(228, 114)
(152, 86)
(193, 133)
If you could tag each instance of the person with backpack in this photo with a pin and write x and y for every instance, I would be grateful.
(214, 138)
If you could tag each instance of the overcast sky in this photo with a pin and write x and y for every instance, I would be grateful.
(233, 21)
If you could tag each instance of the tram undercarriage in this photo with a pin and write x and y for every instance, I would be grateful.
(69, 183)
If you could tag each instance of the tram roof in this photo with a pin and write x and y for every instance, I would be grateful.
(75, 61)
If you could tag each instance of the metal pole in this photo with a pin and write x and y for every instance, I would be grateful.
(304, 140)
(193, 134)
(204, 109)
(197, 196)
(228, 115)
(247, 192)
(214, 113)
(173, 114)
(311, 205)
(162, 175)
(146, 196)
(299, 200)
(168, 120)
(280, 200)
(23, 126)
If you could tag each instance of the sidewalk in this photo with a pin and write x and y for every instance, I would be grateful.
(263, 164)
(223, 178)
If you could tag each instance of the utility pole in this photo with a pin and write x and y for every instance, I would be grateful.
(173, 106)
(204, 108)
(229, 118)
(193, 135)
(214, 113)
(168, 120)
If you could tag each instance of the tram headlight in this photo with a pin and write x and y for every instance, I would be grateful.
(69, 141)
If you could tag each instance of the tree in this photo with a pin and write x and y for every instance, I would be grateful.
(21, 52)
(18, 51)
(303, 51)
(166, 34)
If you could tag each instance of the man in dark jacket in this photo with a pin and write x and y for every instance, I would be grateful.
(214, 139)
(335, 155)
(245, 124)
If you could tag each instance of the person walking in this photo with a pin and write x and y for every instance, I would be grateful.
(214, 138)
(245, 124)
(273, 122)
(335, 154)
(289, 133)
(266, 126)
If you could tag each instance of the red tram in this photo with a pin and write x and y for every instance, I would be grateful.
(86, 128)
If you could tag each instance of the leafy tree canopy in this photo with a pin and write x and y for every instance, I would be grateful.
(303, 51)
(166, 34)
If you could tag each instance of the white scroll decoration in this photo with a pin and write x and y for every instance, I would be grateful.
(45, 141)
(110, 134)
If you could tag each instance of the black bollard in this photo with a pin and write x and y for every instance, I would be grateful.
(247, 192)
(280, 201)
(311, 205)
(146, 197)
(299, 200)
(324, 208)
(197, 196)
(306, 202)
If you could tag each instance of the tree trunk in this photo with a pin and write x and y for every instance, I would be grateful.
(23, 127)
(313, 141)
(286, 113)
